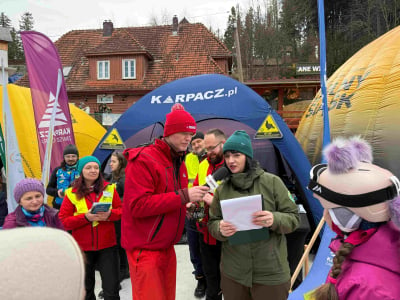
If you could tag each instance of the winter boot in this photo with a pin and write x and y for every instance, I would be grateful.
(200, 290)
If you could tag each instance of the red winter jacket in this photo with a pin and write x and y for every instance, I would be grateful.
(88, 237)
(154, 207)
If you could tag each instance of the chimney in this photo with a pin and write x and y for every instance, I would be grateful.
(175, 25)
(108, 28)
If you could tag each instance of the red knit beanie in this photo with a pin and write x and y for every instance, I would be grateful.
(179, 120)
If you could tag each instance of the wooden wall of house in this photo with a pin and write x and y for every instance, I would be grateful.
(116, 66)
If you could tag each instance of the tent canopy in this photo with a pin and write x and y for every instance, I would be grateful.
(214, 101)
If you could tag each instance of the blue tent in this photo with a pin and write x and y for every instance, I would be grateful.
(216, 101)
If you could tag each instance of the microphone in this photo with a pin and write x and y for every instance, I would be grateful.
(211, 180)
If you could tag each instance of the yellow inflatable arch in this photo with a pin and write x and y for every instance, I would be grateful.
(363, 99)
(87, 131)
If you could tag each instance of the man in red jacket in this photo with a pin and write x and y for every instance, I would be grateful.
(154, 207)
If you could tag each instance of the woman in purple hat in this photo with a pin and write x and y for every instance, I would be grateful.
(31, 210)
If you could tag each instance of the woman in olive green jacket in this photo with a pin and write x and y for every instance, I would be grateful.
(253, 270)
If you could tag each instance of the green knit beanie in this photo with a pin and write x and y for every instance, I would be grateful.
(87, 159)
(239, 141)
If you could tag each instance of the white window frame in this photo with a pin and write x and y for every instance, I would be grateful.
(101, 66)
(129, 68)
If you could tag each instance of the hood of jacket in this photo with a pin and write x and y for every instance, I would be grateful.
(244, 181)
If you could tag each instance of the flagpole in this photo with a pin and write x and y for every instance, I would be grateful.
(322, 60)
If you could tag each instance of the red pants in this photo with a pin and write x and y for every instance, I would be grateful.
(153, 274)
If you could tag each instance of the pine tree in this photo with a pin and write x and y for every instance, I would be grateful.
(26, 22)
(229, 39)
(4, 20)
(15, 51)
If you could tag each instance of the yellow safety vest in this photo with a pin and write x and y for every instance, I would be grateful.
(192, 166)
(203, 168)
(80, 204)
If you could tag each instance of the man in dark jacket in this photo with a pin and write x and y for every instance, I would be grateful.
(154, 207)
(192, 161)
(210, 248)
(62, 176)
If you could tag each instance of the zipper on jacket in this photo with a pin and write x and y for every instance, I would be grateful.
(177, 185)
(158, 228)
(137, 259)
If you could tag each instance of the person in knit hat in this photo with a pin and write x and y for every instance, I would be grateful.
(155, 198)
(361, 204)
(247, 271)
(31, 210)
(94, 230)
(62, 176)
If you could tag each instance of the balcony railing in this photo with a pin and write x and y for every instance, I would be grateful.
(291, 117)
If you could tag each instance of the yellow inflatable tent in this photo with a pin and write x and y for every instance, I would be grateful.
(88, 132)
(363, 99)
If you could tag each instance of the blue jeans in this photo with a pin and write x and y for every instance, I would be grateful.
(194, 247)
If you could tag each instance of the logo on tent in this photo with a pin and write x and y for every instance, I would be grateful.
(113, 141)
(60, 116)
(268, 129)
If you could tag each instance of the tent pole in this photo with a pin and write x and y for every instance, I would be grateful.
(306, 252)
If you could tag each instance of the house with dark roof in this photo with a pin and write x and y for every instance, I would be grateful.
(109, 69)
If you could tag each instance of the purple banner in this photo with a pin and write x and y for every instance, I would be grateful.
(43, 63)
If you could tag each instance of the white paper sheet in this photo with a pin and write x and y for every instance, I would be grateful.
(238, 211)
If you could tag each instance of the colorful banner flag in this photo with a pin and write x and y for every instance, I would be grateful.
(43, 64)
(14, 168)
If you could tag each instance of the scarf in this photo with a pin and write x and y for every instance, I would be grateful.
(35, 218)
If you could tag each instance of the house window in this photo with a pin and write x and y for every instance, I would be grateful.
(128, 69)
(103, 69)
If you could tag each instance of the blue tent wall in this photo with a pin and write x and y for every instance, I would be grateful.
(208, 96)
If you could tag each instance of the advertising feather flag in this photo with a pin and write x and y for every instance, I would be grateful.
(43, 64)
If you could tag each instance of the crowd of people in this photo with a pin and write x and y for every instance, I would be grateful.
(126, 223)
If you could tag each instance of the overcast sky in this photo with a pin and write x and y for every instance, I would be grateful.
(56, 17)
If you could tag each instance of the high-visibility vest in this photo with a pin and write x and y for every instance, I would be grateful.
(203, 169)
(192, 166)
(80, 204)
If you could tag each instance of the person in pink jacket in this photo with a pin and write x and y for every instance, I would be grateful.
(361, 204)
